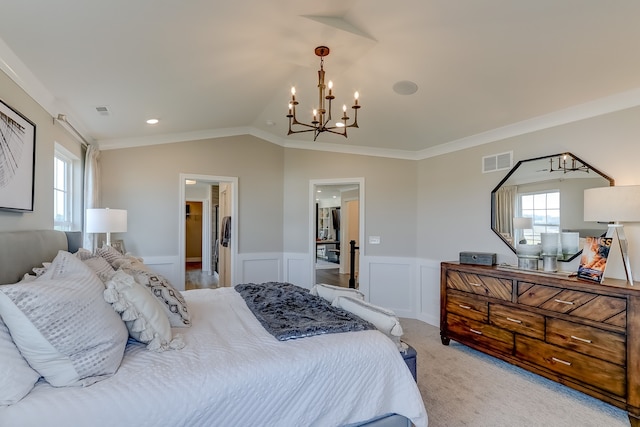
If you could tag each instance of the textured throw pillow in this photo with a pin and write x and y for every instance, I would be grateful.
(173, 303)
(100, 266)
(110, 254)
(62, 325)
(17, 378)
(84, 254)
(385, 320)
(331, 292)
(142, 313)
(39, 271)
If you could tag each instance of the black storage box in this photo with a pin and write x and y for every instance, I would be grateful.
(478, 258)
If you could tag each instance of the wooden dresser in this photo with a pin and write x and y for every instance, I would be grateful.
(583, 335)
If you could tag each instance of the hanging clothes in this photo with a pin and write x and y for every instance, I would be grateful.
(226, 231)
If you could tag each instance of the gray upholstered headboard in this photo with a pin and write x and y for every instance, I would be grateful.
(20, 251)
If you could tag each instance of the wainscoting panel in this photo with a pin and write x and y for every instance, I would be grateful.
(259, 268)
(391, 283)
(428, 307)
(296, 270)
(408, 286)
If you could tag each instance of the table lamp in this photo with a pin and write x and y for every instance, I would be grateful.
(521, 223)
(614, 205)
(105, 220)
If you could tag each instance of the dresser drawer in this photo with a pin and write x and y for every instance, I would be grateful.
(482, 334)
(479, 284)
(468, 306)
(518, 321)
(606, 376)
(594, 342)
(600, 308)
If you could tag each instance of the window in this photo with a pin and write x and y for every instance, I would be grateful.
(544, 208)
(66, 208)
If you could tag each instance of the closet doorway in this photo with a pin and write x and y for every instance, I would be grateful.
(207, 235)
(337, 207)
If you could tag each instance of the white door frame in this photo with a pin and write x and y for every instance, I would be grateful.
(312, 218)
(233, 183)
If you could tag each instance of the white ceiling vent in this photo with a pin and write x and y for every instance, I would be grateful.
(497, 162)
(102, 110)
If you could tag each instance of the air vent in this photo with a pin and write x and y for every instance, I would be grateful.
(497, 162)
(102, 110)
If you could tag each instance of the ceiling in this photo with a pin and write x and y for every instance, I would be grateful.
(485, 70)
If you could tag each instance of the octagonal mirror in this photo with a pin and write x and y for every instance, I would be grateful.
(550, 191)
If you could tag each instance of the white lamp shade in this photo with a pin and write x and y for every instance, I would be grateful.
(105, 220)
(522, 223)
(618, 203)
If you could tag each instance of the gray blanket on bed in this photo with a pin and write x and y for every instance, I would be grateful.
(288, 311)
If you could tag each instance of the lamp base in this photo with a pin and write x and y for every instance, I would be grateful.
(618, 229)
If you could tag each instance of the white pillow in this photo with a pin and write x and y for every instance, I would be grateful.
(142, 313)
(172, 301)
(16, 376)
(331, 292)
(385, 320)
(62, 325)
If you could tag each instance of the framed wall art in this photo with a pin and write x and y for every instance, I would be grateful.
(17, 160)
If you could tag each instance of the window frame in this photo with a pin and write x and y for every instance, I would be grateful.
(72, 191)
(533, 235)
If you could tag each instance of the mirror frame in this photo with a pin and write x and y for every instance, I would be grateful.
(513, 170)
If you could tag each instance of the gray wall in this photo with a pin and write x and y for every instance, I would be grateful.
(454, 194)
(47, 133)
(389, 200)
(145, 181)
(430, 209)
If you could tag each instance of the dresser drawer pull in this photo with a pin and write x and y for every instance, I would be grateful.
(561, 361)
(563, 302)
(581, 339)
(475, 331)
(466, 307)
(514, 320)
(475, 284)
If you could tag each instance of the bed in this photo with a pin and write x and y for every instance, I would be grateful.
(231, 370)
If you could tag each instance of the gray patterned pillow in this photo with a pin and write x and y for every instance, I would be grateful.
(16, 376)
(62, 325)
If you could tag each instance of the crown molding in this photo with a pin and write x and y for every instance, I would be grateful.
(11, 65)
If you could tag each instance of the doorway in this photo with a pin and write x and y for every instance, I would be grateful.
(337, 218)
(207, 241)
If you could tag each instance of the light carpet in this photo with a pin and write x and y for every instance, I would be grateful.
(463, 387)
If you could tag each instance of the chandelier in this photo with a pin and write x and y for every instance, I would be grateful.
(322, 115)
(563, 166)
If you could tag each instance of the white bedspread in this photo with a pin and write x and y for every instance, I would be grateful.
(233, 373)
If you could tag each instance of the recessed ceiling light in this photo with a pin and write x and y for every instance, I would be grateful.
(152, 121)
(405, 87)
